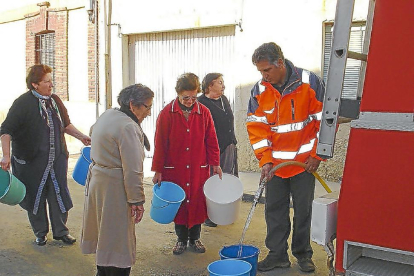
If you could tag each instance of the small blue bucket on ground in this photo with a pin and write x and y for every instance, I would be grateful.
(229, 267)
(249, 254)
(166, 201)
(82, 165)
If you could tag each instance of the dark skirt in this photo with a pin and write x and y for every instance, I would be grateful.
(30, 174)
(228, 161)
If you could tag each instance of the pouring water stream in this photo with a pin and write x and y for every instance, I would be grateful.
(256, 199)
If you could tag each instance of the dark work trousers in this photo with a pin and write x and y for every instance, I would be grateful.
(40, 222)
(112, 271)
(278, 192)
(183, 233)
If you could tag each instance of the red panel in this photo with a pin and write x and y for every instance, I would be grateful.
(390, 67)
(376, 204)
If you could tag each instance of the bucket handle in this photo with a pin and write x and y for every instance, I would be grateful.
(8, 187)
(162, 207)
(81, 151)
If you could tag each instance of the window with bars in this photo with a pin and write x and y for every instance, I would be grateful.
(45, 51)
(353, 67)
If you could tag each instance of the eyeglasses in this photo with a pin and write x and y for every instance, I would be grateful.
(187, 98)
(148, 107)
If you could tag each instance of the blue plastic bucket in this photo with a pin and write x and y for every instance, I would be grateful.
(12, 190)
(82, 165)
(166, 201)
(249, 254)
(229, 267)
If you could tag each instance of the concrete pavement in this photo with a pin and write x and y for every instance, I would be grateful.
(20, 256)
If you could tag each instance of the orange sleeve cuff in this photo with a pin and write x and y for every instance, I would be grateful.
(266, 158)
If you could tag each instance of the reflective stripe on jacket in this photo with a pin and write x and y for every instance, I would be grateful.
(285, 126)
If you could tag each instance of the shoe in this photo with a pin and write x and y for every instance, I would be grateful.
(68, 239)
(270, 263)
(209, 223)
(41, 241)
(197, 246)
(306, 265)
(179, 248)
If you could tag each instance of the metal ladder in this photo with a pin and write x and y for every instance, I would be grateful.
(332, 106)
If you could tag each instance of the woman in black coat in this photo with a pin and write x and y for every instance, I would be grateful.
(214, 99)
(35, 125)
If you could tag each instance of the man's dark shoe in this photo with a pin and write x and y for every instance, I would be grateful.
(68, 239)
(270, 263)
(209, 223)
(41, 241)
(306, 265)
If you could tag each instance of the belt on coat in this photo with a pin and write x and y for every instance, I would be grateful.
(89, 175)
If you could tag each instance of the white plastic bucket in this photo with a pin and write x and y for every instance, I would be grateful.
(223, 197)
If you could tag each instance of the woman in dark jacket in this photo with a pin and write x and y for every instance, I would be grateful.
(36, 124)
(214, 99)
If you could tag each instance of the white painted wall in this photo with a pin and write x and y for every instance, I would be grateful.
(81, 111)
(140, 16)
(78, 55)
(360, 9)
(116, 56)
(13, 64)
(296, 26)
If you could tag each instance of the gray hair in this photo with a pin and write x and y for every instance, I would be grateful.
(268, 51)
(138, 94)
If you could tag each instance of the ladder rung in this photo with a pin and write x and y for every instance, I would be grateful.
(357, 56)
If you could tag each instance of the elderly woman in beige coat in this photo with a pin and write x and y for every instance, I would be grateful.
(114, 193)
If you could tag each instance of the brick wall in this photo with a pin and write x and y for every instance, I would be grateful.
(92, 61)
(56, 20)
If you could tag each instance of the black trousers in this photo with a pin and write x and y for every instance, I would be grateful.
(184, 234)
(112, 271)
(40, 221)
(278, 192)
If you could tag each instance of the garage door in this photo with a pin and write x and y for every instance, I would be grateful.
(157, 59)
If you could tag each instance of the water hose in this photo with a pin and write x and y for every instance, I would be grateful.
(259, 193)
(329, 246)
(300, 164)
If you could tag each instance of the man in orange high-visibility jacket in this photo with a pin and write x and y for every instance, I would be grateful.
(283, 120)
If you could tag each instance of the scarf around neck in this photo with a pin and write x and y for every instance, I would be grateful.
(43, 100)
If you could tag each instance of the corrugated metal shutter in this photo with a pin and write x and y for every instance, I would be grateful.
(159, 58)
(353, 67)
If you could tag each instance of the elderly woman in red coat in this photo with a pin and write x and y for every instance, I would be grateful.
(185, 148)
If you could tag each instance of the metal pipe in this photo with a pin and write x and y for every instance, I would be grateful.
(96, 10)
(108, 74)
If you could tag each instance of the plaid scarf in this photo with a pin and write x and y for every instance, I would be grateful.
(44, 101)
